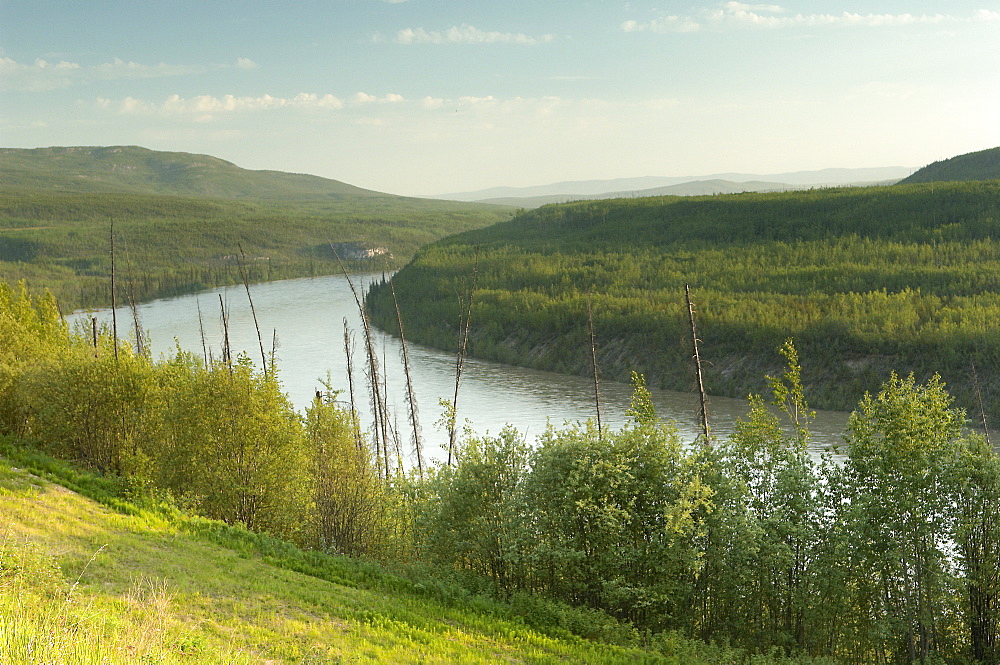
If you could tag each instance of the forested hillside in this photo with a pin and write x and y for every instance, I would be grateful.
(180, 222)
(866, 280)
(981, 165)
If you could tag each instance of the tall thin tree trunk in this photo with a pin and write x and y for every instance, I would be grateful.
(979, 397)
(380, 430)
(114, 292)
(385, 412)
(593, 360)
(245, 276)
(133, 300)
(201, 330)
(227, 352)
(411, 398)
(349, 353)
(697, 365)
(460, 360)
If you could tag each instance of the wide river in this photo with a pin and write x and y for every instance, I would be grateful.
(306, 317)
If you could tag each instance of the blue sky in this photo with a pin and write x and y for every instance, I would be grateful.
(435, 96)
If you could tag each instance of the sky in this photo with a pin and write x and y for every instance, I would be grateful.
(424, 97)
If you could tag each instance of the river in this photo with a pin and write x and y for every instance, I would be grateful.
(306, 316)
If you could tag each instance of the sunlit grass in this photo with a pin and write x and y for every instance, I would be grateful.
(82, 583)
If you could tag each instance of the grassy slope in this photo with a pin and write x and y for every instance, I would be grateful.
(180, 218)
(83, 583)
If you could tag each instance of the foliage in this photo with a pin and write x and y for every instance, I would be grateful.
(469, 516)
(351, 505)
(231, 445)
(31, 335)
(901, 515)
(221, 438)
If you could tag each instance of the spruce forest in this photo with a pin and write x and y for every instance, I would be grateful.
(866, 280)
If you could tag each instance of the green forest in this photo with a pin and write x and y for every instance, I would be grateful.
(167, 245)
(866, 280)
(743, 550)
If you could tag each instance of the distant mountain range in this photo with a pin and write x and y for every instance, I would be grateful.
(721, 183)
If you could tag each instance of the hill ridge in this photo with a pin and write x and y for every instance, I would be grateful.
(978, 165)
(140, 170)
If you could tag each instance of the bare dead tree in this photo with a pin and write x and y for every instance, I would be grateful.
(697, 365)
(227, 351)
(460, 359)
(349, 353)
(979, 397)
(114, 292)
(245, 276)
(411, 398)
(93, 333)
(593, 360)
(201, 330)
(394, 426)
(133, 301)
(380, 430)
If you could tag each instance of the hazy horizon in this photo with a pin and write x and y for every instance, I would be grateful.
(421, 98)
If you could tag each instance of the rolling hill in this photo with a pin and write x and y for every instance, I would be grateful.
(981, 165)
(136, 170)
(181, 221)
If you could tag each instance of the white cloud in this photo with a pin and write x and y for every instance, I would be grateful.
(38, 76)
(312, 100)
(207, 107)
(466, 34)
(42, 75)
(245, 63)
(740, 15)
(663, 24)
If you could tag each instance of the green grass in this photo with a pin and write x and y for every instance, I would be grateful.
(109, 581)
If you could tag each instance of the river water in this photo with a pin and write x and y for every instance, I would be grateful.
(306, 317)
